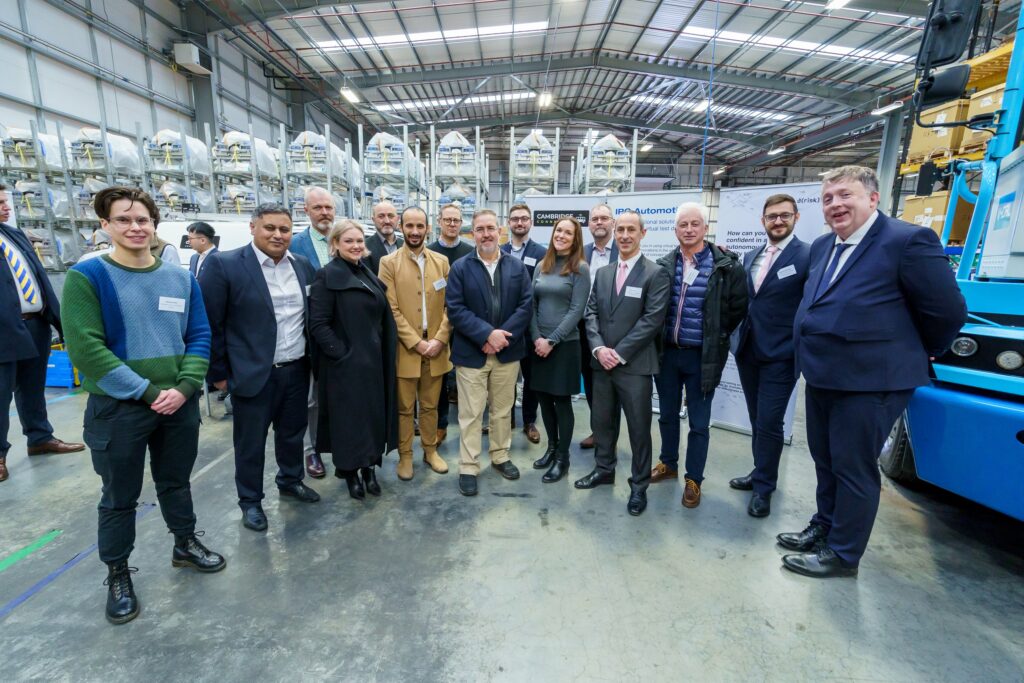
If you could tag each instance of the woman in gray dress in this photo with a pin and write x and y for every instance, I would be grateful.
(561, 286)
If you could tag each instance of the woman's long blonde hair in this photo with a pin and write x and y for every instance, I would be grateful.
(340, 227)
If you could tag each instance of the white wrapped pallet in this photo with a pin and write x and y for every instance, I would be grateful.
(20, 150)
(30, 203)
(173, 195)
(87, 152)
(234, 154)
(167, 154)
(308, 153)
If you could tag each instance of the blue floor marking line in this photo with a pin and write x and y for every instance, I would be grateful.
(50, 578)
(65, 397)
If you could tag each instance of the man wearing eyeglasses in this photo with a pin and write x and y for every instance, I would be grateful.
(776, 273)
(520, 246)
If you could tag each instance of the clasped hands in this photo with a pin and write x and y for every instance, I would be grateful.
(607, 358)
(496, 341)
(429, 349)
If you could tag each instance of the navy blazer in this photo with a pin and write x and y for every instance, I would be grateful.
(531, 250)
(894, 303)
(195, 260)
(242, 322)
(468, 298)
(767, 331)
(18, 343)
(588, 252)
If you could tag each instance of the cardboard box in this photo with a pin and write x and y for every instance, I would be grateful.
(930, 143)
(914, 211)
(930, 212)
(982, 102)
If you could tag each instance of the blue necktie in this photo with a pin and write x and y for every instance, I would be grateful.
(830, 272)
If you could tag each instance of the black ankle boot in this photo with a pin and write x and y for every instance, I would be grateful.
(189, 552)
(545, 460)
(370, 480)
(355, 487)
(558, 470)
(122, 605)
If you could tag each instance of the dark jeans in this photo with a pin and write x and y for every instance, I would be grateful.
(529, 403)
(559, 421)
(281, 403)
(680, 369)
(25, 380)
(119, 433)
(767, 387)
(442, 401)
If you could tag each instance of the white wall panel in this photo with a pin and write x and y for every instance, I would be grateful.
(228, 53)
(168, 118)
(236, 116)
(160, 35)
(171, 84)
(124, 109)
(123, 60)
(14, 115)
(262, 129)
(121, 13)
(279, 110)
(53, 26)
(232, 81)
(16, 79)
(67, 90)
(165, 8)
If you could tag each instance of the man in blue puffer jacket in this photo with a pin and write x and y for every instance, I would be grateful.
(708, 301)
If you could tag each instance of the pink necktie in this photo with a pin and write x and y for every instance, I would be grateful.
(620, 279)
(766, 266)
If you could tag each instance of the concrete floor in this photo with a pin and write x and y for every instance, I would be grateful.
(526, 582)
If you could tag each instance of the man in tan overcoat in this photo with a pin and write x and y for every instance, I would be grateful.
(416, 279)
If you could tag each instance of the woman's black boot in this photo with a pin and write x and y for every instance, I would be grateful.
(549, 457)
(370, 480)
(355, 487)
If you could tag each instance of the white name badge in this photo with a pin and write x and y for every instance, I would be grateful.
(634, 292)
(307, 289)
(690, 277)
(439, 284)
(787, 271)
(172, 304)
(529, 261)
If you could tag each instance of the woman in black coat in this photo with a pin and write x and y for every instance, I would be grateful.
(351, 321)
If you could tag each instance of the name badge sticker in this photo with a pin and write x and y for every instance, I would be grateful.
(634, 292)
(529, 261)
(690, 277)
(787, 271)
(172, 304)
(439, 284)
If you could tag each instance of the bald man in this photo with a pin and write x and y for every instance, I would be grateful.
(386, 241)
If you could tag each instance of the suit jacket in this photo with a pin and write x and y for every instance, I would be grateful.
(377, 251)
(194, 261)
(469, 309)
(302, 244)
(629, 325)
(894, 303)
(767, 331)
(18, 343)
(532, 250)
(588, 252)
(242, 322)
(401, 275)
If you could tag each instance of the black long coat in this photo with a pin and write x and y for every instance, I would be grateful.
(356, 338)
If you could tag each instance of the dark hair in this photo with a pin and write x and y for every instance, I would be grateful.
(519, 207)
(414, 208)
(778, 199)
(268, 208)
(202, 228)
(2, 187)
(572, 263)
(106, 197)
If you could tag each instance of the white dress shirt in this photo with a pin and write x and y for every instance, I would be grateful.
(755, 267)
(491, 266)
(421, 261)
(202, 257)
(289, 306)
(852, 241)
(26, 307)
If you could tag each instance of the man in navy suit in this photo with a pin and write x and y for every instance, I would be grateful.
(880, 299)
(256, 300)
(28, 309)
(201, 239)
(490, 303)
(776, 273)
(519, 245)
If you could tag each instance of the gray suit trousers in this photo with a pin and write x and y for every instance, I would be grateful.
(633, 393)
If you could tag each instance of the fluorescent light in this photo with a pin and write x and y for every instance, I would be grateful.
(545, 99)
(445, 102)
(719, 172)
(882, 111)
(830, 51)
(837, 4)
(350, 95)
(775, 151)
(824, 173)
(700, 106)
(423, 38)
(647, 147)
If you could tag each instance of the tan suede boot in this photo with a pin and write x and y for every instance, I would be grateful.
(436, 462)
(404, 469)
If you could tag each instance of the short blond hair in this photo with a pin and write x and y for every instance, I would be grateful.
(340, 227)
(861, 174)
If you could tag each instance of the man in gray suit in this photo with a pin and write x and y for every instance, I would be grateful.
(624, 318)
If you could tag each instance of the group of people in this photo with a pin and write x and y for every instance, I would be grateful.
(345, 345)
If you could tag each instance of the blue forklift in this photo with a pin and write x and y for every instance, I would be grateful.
(965, 431)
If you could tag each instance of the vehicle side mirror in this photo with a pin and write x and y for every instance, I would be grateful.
(947, 32)
(942, 86)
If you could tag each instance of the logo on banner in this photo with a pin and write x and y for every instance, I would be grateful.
(547, 218)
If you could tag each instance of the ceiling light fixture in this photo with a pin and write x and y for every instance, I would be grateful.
(882, 111)
(350, 95)
(776, 151)
(719, 172)
(545, 99)
(381, 42)
(647, 147)
(837, 4)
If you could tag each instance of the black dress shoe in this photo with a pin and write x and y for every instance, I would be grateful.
(122, 604)
(355, 487)
(299, 491)
(637, 503)
(742, 483)
(189, 552)
(806, 540)
(595, 479)
(558, 470)
(370, 481)
(467, 485)
(824, 564)
(254, 518)
(759, 506)
(544, 461)
(507, 469)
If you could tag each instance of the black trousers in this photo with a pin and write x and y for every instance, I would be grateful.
(633, 393)
(845, 434)
(529, 403)
(119, 434)
(25, 381)
(559, 421)
(586, 355)
(767, 386)
(442, 401)
(281, 403)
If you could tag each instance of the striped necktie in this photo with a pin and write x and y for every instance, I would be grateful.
(21, 273)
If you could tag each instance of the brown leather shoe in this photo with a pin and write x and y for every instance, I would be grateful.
(587, 442)
(4, 474)
(531, 433)
(315, 466)
(442, 434)
(661, 472)
(691, 494)
(56, 446)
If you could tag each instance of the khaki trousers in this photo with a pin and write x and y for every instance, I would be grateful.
(427, 389)
(492, 386)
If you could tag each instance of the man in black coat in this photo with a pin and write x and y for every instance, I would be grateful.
(385, 241)
(28, 309)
